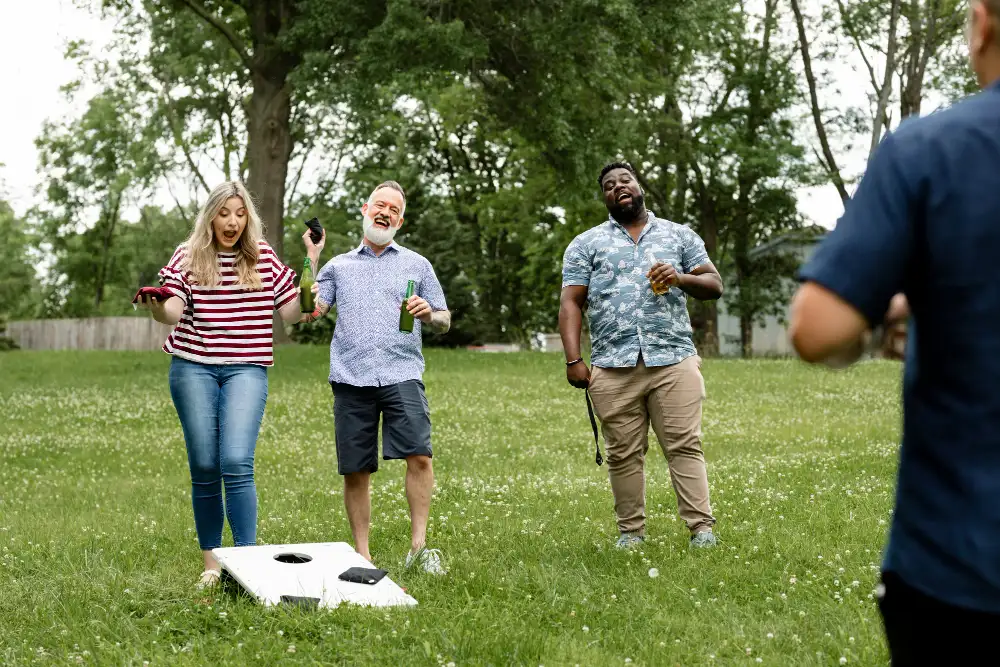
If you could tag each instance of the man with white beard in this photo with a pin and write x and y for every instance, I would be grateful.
(376, 369)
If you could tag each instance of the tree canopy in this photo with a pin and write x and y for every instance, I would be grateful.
(496, 116)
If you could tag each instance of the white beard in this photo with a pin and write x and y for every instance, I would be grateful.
(377, 235)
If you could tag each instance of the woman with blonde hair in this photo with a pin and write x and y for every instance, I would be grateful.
(221, 288)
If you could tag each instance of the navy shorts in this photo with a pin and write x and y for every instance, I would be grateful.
(406, 424)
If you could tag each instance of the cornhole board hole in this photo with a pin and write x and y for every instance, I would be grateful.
(307, 575)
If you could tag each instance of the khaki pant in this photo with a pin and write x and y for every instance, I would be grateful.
(627, 401)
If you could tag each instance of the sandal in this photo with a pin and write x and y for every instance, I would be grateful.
(209, 578)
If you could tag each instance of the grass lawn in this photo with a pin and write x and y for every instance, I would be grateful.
(98, 554)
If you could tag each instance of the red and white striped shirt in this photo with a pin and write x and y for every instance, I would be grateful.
(227, 324)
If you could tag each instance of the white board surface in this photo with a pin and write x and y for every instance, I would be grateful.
(267, 579)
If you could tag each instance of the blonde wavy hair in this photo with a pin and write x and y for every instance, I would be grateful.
(202, 249)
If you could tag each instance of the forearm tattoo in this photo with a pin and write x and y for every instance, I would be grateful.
(320, 311)
(440, 321)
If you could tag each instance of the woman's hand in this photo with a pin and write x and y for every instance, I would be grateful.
(158, 309)
(167, 312)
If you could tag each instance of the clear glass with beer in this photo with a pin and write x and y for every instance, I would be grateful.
(659, 288)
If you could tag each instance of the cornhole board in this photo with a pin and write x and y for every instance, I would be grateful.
(307, 574)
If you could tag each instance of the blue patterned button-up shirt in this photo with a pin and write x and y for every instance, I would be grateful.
(368, 349)
(626, 318)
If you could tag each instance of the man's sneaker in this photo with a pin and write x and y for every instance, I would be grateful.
(703, 540)
(628, 541)
(428, 559)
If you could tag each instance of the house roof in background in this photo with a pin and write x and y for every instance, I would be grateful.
(806, 236)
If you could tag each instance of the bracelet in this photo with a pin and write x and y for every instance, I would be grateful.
(575, 361)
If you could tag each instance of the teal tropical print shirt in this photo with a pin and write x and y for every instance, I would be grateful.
(626, 318)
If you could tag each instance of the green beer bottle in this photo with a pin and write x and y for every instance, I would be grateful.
(305, 288)
(405, 319)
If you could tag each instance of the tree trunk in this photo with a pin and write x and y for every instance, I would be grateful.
(710, 329)
(830, 162)
(923, 20)
(707, 312)
(497, 291)
(106, 242)
(744, 301)
(676, 140)
(680, 192)
(269, 135)
(746, 336)
(885, 92)
(269, 149)
(911, 94)
(747, 178)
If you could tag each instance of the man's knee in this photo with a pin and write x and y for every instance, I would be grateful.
(418, 463)
(623, 452)
(622, 459)
(356, 480)
(686, 444)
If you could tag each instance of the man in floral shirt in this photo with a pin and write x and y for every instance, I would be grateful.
(633, 272)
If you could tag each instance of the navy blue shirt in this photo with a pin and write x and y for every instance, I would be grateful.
(925, 221)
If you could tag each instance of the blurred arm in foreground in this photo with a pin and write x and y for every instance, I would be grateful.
(827, 330)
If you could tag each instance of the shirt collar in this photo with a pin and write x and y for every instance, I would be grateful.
(651, 222)
(361, 248)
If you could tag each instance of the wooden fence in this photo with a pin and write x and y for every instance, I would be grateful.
(95, 333)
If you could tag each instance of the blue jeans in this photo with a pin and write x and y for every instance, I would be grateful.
(220, 408)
